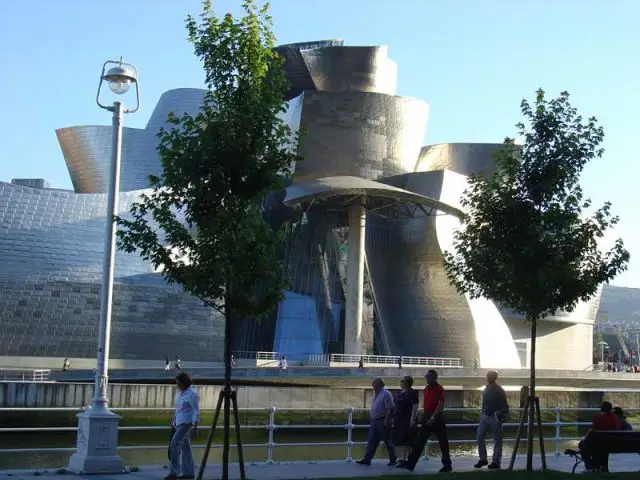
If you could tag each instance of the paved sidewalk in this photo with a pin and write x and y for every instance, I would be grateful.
(326, 469)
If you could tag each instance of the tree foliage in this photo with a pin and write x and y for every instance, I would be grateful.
(527, 240)
(202, 224)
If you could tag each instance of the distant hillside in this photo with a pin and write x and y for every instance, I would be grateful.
(620, 304)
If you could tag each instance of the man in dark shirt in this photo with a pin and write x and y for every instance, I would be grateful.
(495, 410)
(432, 422)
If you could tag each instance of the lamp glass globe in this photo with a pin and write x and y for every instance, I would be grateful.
(119, 85)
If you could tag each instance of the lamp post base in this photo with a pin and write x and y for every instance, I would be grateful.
(96, 447)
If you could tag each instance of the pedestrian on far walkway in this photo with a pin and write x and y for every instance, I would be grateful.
(167, 363)
(495, 411)
(66, 365)
(178, 363)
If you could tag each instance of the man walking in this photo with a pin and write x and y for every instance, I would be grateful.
(380, 414)
(495, 410)
(185, 420)
(432, 422)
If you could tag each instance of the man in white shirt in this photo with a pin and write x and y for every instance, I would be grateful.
(185, 419)
(380, 414)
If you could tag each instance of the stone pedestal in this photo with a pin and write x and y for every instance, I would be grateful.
(96, 447)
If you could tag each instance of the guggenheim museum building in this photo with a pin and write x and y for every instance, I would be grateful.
(374, 209)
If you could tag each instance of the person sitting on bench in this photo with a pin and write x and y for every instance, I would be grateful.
(605, 420)
(624, 425)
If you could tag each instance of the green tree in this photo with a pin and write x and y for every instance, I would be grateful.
(203, 224)
(526, 240)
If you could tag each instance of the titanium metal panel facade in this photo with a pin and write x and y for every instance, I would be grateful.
(361, 134)
(178, 101)
(51, 248)
(463, 158)
(471, 158)
(295, 68)
(343, 99)
(405, 258)
(87, 152)
(87, 149)
(361, 69)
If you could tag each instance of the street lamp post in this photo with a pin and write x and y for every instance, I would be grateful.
(96, 447)
(602, 347)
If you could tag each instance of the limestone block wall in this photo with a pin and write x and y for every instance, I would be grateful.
(78, 395)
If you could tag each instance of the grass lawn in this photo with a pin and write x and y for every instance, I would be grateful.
(505, 475)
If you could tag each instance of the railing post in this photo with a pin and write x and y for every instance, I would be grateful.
(558, 432)
(271, 427)
(349, 427)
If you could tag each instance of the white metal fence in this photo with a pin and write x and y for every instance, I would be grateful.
(271, 426)
(350, 360)
(390, 360)
(39, 375)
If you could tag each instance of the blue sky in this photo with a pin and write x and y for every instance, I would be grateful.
(472, 60)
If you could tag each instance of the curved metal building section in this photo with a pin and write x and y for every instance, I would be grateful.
(418, 308)
(51, 252)
(361, 134)
(87, 149)
(178, 101)
(472, 158)
(463, 158)
(360, 69)
(295, 68)
(87, 153)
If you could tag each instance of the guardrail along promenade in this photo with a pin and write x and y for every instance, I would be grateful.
(562, 425)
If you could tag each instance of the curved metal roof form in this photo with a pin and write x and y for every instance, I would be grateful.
(340, 191)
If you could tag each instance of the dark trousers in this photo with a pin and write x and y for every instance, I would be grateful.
(379, 432)
(438, 428)
(594, 460)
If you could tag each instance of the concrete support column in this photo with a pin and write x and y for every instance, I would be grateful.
(355, 279)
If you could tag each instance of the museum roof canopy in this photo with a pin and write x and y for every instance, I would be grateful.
(336, 193)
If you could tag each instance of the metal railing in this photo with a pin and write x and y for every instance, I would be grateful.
(394, 360)
(39, 375)
(271, 426)
(348, 360)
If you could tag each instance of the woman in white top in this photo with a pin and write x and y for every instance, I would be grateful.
(185, 419)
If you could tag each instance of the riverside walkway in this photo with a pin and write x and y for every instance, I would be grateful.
(328, 469)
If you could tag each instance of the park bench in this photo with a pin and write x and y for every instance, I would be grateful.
(606, 442)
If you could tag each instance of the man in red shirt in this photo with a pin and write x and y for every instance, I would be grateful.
(432, 422)
(605, 420)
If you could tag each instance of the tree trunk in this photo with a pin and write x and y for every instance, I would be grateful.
(227, 393)
(532, 396)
